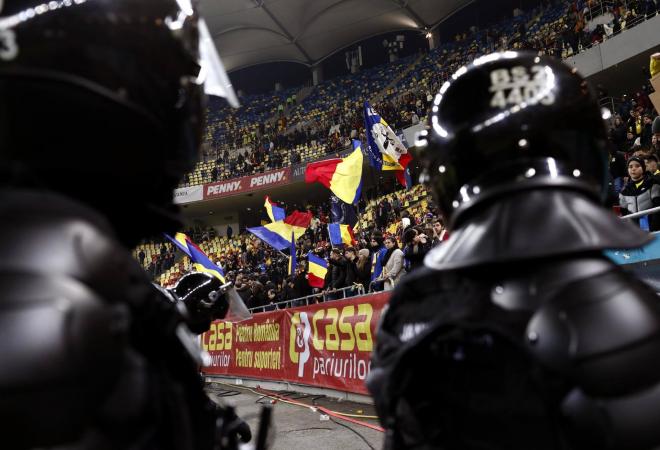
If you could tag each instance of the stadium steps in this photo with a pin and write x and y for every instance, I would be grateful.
(381, 95)
(300, 96)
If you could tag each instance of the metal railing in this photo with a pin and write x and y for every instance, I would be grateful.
(625, 25)
(645, 212)
(325, 296)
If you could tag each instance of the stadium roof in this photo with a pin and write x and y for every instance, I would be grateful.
(250, 32)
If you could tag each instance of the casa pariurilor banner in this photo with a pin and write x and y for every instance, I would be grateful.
(326, 345)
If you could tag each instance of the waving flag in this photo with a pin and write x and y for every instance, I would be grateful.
(200, 261)
(293, 262)
(278, 234)
(275, 212)
(340, 234)
(343, 176)
(180, 241)
(385, 150)
(316, 270)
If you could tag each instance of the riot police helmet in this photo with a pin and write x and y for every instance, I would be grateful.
(508, 122)
(102, 101)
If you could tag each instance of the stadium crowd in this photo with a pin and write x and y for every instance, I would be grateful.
(407, 218)
(395, 230)
(279, 129)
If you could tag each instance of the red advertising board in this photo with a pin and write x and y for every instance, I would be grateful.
(326, 345)
(247, 184)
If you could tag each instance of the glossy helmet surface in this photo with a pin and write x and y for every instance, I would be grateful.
(513, 121)
(100, 96)
(204, 299)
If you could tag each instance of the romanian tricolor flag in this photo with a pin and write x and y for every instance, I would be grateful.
(292, 257)
(200, 261)
(340, 234)
(180, 240)
(275, 212)
(343, 176)
(384, 148)
(278, 234)
(316, 270)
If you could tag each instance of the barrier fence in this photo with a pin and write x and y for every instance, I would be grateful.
(350, 291)
(326, 345)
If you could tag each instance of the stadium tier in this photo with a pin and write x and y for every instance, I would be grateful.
(300, 125)
(271, 131)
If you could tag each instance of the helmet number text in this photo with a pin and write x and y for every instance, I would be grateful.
(520, 86)
(8, 46)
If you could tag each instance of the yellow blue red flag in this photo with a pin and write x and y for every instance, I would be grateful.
(278, 234)
(340, 234)
(275, 212)
(180, 241)
(317, 268)
(199, 259)
(343, 176)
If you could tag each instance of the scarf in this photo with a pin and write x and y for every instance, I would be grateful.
(387, 255)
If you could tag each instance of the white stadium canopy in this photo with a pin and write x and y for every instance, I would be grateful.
(250, 32)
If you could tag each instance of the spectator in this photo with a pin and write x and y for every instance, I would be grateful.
(392, 264)
(618, 170)
(647, 131)
(439, 232)
(651, 162)
(350, 254)
(363, 267)
(301, 287)
(230, 231)
(618, 133)
(271, 299)
(416, 246)
(243, 289)
(382, 213)
(257, 296)
(656, 134)
(141, 256)
(336, 277)
(378, 251)
(288, 290)
(640, 193)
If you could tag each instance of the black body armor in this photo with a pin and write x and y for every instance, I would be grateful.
(90, 355)
(485, 349)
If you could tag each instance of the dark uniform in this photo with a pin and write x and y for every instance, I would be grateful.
(101, 113)
(519, 333)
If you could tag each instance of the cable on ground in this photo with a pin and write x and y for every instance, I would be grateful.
(339, 415)
(356, 432)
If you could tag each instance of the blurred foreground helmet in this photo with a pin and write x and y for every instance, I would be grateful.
(204, 299)
(100, 99)
(509, 122)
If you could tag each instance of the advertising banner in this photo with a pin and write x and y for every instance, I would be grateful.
(325, 345)
(247, 184)
(298, 172)
(188, 194)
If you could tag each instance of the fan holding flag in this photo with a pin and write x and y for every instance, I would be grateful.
(385, 149)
